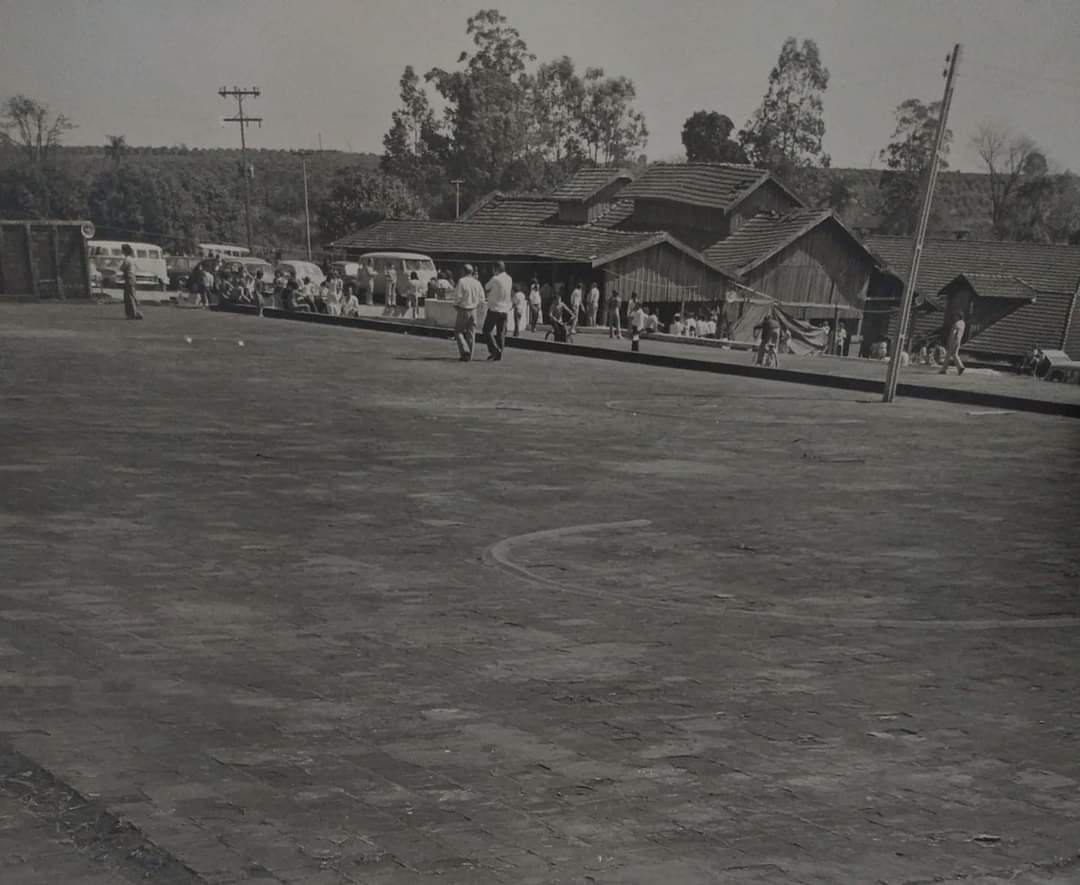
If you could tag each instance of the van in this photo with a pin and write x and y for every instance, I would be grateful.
(150, 269)
(297, 270)
(221, 250)
(406, 263)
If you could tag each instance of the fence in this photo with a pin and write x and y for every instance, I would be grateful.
(45, 259)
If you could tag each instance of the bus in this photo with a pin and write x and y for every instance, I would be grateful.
(225, 250)
(150, 269)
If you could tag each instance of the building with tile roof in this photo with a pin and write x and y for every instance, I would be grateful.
(654, 264)
(1014, 295)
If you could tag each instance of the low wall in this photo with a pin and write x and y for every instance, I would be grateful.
(443, 313)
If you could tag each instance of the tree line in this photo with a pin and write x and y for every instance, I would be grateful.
(513, 124)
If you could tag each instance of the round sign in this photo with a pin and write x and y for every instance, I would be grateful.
(88, 229)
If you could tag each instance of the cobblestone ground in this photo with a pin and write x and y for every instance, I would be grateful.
(334, 607)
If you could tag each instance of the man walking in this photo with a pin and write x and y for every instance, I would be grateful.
(469, 295)
(952, 347)
(521, 308)
(592, 304)
(499, 302)
(127, 271)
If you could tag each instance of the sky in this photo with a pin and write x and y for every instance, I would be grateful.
(150, 69)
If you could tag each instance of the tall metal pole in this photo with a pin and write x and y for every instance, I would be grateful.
(457, 183)
(307, 214)
(893, 374)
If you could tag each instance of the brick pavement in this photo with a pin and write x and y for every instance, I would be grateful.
(334, 607)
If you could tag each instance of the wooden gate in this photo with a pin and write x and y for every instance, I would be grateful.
(45, 259)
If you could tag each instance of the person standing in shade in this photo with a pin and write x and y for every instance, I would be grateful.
(391, 289)
(631, 306)
(614, 320)
(952, 347)
(412, 302)
(637, 325)
(500, 299)
(468, 296)
(592, 304)
(127, 272)
(521, 307)
(575, 305)
(536, 305)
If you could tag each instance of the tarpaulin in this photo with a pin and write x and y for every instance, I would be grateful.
(804, 338)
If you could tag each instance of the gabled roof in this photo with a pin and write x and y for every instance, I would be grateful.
(711, 185)
(1041, 323)
(618, 212)
(1047, 268)
(474, 240)
(767, 233)
(992, 285)
(587, 182)
(511, 208)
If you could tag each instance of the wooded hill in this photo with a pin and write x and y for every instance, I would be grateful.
(178, 196)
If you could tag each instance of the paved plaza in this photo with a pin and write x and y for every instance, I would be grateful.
(289, 603)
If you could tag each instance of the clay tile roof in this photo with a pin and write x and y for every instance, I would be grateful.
(500, 208)
(477, 239)
(1046, 268)
(714, 185)
(586, 182)
(762, 236)
(618, 212)
(993, 285)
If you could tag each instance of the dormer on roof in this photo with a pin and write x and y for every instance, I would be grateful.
(713, 197)
(589, 193)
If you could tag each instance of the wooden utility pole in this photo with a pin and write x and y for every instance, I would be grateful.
(244, 121)
(893, 373)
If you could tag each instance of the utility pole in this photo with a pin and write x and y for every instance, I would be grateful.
(244, 121)
(457, 183)
(304, 154)
(893, 373)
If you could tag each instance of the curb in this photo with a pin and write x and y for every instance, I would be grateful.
(792, 376)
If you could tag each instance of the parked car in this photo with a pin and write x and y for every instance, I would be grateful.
(299, 269)
(347, 270)
(180, 268)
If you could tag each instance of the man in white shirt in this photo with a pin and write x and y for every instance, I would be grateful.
(652, 322)
(350, 307)
(500, 299)
(637, 324)
(592, 304)
(575, 305)
(468, 296)
(520, 309)
(676, 327)
(535, 305)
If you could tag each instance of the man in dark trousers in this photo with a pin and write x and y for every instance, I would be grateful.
(500, 296)
(770, 334)
(127, 270)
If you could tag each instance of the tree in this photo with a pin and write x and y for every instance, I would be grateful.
(1009, 159)
(30, 126)
(907, 157)
(116, 148)
(414, 149)
(609, 126)
(359, 197)
(706, 137)
(787, 130)
(558, 96)
(487, 110)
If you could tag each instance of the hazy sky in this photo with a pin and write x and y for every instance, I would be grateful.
(150, 69)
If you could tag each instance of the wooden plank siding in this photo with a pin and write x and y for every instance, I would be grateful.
(817, 270)
(43, 259)
(767, 198)
(664, 274)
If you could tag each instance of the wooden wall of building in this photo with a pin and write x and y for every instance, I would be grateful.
(821, 270)
(664, 274)
(767, 198)
(44, 259)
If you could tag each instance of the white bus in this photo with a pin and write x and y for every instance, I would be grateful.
(225, 250)
(150, 269)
